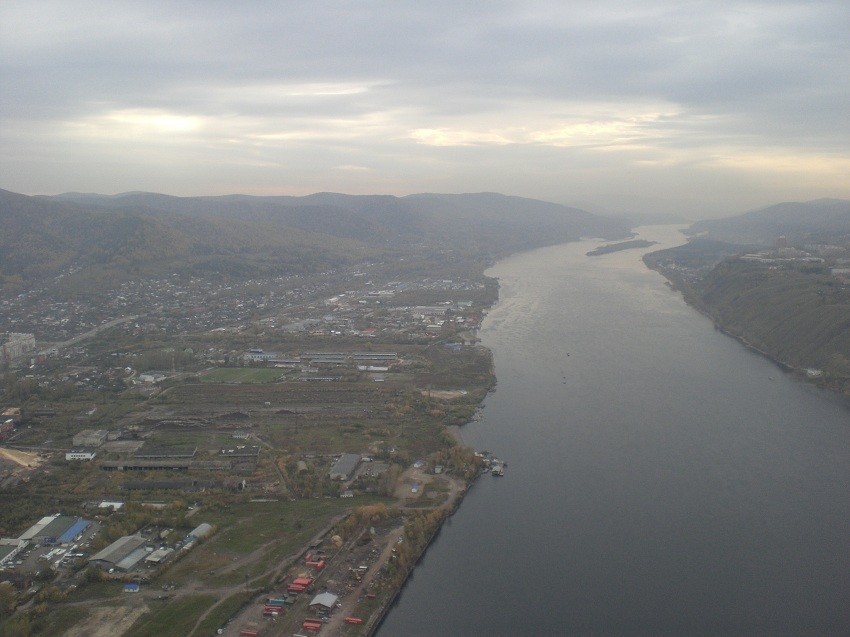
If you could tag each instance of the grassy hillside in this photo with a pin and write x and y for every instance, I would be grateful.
(800, 318)
(798, 314)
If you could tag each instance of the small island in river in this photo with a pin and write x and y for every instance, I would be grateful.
(623, 245)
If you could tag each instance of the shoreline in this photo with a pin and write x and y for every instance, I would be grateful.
(377, 618)
(455, 433)
(797, 372)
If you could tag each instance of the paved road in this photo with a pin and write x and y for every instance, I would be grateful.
(92, 332)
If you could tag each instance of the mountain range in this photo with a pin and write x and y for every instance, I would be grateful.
(110, 238)
(144, 234)
(815, 221)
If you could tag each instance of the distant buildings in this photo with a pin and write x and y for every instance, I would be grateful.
(151, 378)
(6, 428)
(165, 453)
(273, 358)
(16, 345)
(89, 438)
(430, 311)
(80, 454)
(319, 358)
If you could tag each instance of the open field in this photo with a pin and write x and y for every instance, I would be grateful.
(220, 614)
(444, 394)
(314, 418)
(175, 619)
(255, 537)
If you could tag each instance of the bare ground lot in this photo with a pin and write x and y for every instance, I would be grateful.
(21, 458)
(107, 621)
(444, 394)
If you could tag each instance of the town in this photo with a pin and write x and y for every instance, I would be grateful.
(254, 457)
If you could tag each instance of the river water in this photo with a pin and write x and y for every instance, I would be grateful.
(661, 480)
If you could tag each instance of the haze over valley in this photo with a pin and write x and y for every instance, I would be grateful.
(396, 319)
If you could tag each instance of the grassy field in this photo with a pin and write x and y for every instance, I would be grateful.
(243, 375)
(220, 614)
(175, 619)
(268, 532)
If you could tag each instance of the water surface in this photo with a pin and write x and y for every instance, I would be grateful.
(662, 479)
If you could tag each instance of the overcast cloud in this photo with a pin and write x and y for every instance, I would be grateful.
(697, 107)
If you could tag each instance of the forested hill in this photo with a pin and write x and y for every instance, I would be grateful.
(477, 222)
(141, 234)
(790, 300)
(812, 221)
(42, 238)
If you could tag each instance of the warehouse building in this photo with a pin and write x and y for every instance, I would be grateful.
(74, 531)
(324, 602)
(90, 438)
(118, 551)
(49, 529)
(80, 454)
(9, 549)
(344, 468)
(200, 532)
(161, 453)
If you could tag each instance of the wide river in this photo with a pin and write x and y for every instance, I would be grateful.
(661, 480)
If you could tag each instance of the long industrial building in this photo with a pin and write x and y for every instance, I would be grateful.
(117, 553)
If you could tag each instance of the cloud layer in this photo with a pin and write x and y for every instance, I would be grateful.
(697, 107)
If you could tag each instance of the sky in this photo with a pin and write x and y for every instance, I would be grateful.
(673, 106)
